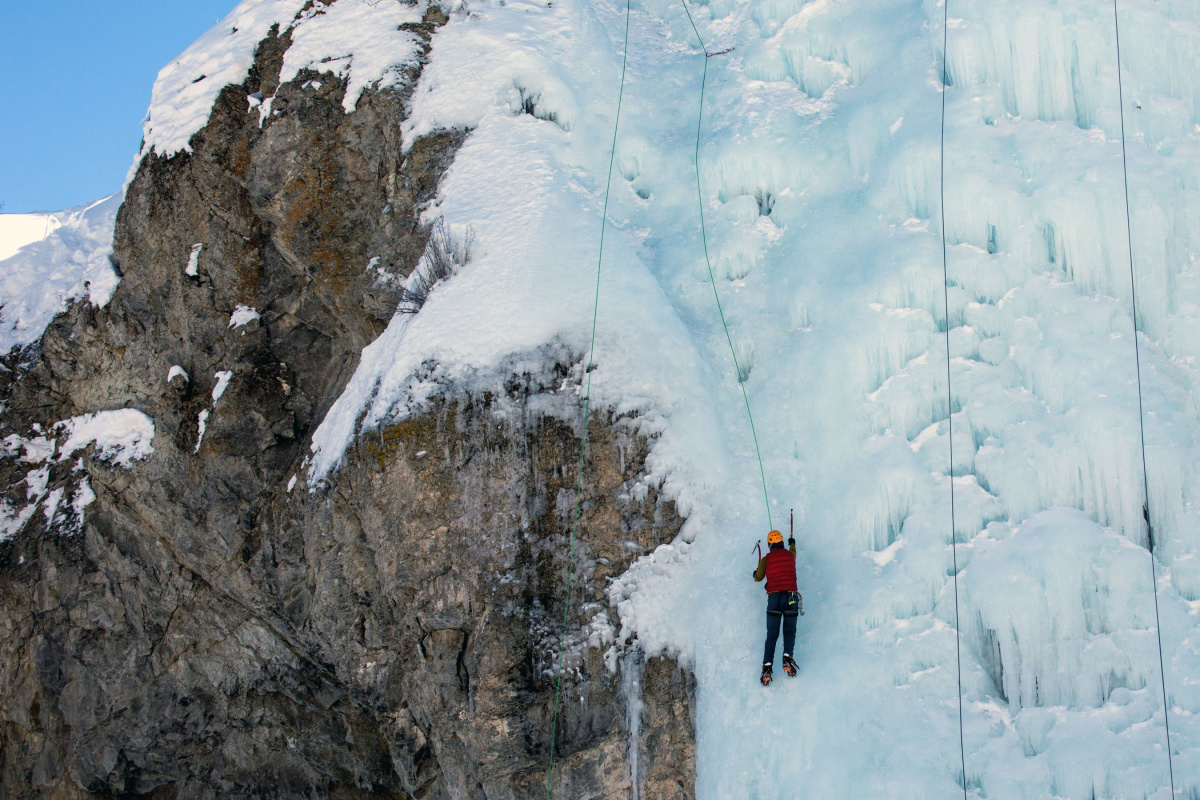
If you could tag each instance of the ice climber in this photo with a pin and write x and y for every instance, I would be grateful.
(784, 602)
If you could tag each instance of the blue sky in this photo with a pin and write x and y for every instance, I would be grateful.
(75, 81)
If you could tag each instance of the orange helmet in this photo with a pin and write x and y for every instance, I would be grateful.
(774, 537)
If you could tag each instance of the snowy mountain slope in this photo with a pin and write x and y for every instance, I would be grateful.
(821, 174)
(18, 230)
(820, 171)
(49, 261)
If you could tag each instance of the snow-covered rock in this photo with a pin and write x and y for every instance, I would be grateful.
(49, 261)
(120, 437)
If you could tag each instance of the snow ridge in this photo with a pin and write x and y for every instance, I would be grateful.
(46, 274)
(360, 40)
(186, 88)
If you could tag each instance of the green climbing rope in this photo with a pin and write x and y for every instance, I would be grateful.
(708, 261)
(587, 406)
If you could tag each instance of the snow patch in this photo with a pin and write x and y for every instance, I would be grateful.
(223, 377)
(359, 40)
(192, 269)
(12, 520)
(83, 497)
(18, 230)
(201, 426)
(121, 437)
(45, 274)
(50, 507)
(243, 315)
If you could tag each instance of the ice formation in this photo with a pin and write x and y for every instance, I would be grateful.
(821, 182)
(53, 260)
(820, 171)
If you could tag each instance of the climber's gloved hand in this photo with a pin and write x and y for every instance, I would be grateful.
(791, 541)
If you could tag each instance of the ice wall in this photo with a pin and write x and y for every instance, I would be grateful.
(1062, 693)
(822, 186)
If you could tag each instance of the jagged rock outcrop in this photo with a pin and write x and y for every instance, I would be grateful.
(215, 630)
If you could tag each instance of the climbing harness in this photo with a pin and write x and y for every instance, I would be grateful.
(708, 261)
(1137, 360)
(587, 403)
(962, 750)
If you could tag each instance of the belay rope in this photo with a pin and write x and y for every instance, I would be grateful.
(1137, 360)
(708, 262)
(1138, 367)
(962, 749)
(587, 404)
(591, 353)
(949, 389)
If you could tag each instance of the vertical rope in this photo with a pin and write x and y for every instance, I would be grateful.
(708, 261)
(962, 750)
(1137, 360)
(587, 408)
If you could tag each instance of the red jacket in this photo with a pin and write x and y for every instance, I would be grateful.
(779, 568)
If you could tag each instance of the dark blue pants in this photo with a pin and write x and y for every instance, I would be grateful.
(781, 607)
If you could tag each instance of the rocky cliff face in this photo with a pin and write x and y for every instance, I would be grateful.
(211, 628)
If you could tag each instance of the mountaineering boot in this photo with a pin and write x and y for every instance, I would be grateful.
(789, 666)
(766, 675)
